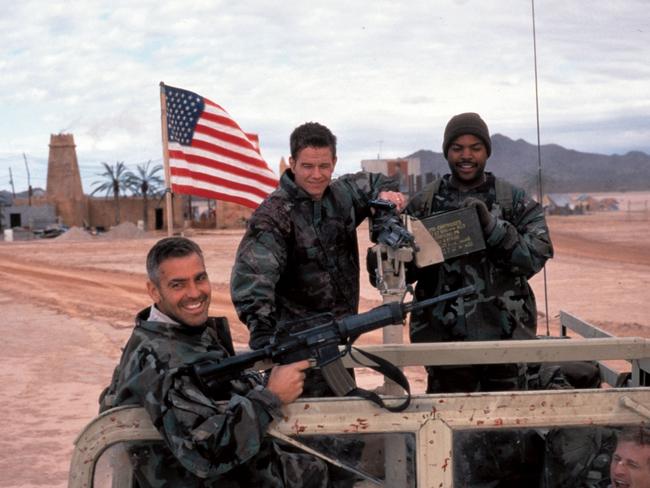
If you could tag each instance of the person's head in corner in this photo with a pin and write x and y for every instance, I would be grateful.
(313, 158)
(467, 146)
(630, 466)
(178, 282)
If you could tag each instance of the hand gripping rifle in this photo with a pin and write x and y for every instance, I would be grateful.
(320, 342)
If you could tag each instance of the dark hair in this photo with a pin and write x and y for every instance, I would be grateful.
(639, 435)
(169, 247)
(311, 134)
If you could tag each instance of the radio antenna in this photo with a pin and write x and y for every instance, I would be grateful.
(540, 191)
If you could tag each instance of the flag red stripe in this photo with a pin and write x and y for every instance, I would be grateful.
(215, 180)
(231, 153)
(199, 192)
(220, 119)
(210, 102)
(251, 141)
(216, 164)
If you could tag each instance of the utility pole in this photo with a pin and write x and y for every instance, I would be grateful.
(11, 181)
(29, 182)
(379, 153)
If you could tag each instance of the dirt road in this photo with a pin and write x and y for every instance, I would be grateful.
(67, 309)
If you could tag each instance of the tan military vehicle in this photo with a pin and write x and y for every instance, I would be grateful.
(433, 425)
(443, 440)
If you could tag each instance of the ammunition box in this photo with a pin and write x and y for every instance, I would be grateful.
(457, 232)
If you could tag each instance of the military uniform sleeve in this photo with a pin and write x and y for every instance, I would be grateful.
(260, 261)
(207, 438)
(417, 206)
(524, 245)
(363, 187)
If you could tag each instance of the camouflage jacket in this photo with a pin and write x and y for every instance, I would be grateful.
(516, 249)
(299, 257)
(206, 444)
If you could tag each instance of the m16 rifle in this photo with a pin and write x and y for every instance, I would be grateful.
(318, 340)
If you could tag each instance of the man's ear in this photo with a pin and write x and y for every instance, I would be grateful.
(292, 163)
(152, 289)
(334, 161)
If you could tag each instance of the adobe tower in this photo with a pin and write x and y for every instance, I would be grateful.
(64, 189)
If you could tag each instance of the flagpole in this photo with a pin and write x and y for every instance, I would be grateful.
(168, 183)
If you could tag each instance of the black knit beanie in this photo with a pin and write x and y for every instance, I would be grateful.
(467, 123)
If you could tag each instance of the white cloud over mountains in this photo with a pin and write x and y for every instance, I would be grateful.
(384, 75)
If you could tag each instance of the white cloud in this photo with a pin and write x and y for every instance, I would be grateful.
(374, 71)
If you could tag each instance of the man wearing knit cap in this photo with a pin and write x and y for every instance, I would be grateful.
(517, 246)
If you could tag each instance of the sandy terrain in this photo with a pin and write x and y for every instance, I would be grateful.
(67, 309)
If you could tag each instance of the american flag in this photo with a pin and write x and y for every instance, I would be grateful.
(210, 155)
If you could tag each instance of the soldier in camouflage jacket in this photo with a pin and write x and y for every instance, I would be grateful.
(205, 443)
(517, 246)
(299, 256)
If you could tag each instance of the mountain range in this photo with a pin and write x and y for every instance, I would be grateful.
(563, 170)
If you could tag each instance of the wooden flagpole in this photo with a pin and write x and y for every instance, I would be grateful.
(168, 183)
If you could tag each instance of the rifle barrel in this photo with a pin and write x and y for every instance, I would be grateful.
(354, 325)
(409, 307)
(390, 313)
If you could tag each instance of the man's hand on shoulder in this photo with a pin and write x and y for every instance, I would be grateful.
(394, 196)
(287, 381)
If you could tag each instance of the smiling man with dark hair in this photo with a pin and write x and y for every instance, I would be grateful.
(299, 256)
(206, 443)
(517, 245)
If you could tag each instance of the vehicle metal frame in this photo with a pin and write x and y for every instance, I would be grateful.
(434, 419)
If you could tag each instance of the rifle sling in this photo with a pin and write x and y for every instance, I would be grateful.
(391, 372)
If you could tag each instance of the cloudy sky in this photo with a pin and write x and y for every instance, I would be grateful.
(385, 76)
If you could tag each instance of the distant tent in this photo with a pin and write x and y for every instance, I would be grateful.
(587, 202)
(608, 204)
(559, 204)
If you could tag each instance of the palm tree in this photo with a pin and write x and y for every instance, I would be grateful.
(145, 182)
(115, 180)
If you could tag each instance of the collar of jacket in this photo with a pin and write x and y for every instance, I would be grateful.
(288, 184)
(485, 186)
(168, 328)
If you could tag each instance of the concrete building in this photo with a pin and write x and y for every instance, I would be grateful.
(34, 217)
(406, 169)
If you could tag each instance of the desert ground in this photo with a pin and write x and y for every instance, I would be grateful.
(68, 305)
